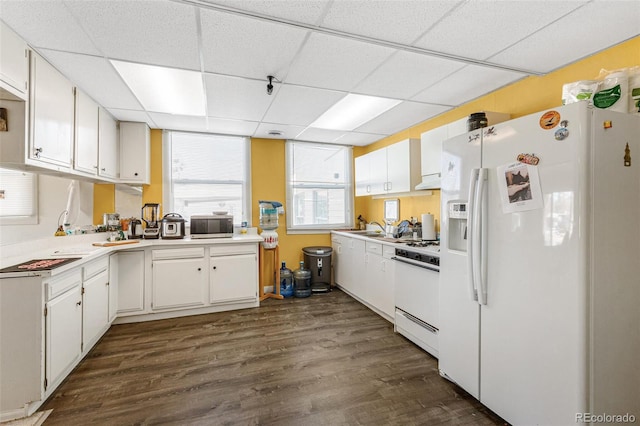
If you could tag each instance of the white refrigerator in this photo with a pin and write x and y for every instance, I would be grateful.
(540, 266)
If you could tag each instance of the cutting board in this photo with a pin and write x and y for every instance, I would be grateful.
(115, 243)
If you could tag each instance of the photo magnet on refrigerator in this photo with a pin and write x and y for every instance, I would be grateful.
(549, 120)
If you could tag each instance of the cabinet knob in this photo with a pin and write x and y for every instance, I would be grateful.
(214, 267)
(37, 152)
(103, 169)
(199, 269)
(79, 303)
(135, 174)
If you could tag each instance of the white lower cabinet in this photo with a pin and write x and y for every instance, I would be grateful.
(179, 278)
(95, 311)
(129, 281)
(364, 269)
(63, 332)
(233, 278)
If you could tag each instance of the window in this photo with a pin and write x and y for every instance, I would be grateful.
(319, 195)
(18, 197)
(204, 173)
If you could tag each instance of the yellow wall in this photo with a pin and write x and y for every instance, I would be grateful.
(527, 96)
(268, 155)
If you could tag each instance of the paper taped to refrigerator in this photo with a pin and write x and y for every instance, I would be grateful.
(519, 187)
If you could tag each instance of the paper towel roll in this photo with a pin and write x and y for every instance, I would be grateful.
(428, 227)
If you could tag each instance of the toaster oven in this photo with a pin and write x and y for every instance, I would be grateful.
(211, 226)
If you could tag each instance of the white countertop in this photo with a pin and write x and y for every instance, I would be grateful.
(81, 246)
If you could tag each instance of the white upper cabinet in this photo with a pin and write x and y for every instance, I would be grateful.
(135, 153)
(107, 145)
(52, 115)
(14, 65)
(86, 139)
(390, 170)
(431, 149)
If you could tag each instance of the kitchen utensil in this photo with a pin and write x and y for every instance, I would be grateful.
(150, 212)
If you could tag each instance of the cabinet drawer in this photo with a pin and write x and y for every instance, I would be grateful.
(374, 248)
(58, 285)
(95, 267)
(227, 249)
(178, 253)
(388, 251)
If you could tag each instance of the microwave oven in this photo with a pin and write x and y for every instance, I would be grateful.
(211, 226)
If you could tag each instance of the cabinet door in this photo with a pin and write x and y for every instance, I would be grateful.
(178, 283)
(113, 287)
(378, 171)
(233, 278)
(95, 308)
(130, 281)
(357, 266)
(431, 150)
(363, 175)
(14, 62)
(341, 262)
(107, 145)
(399, 167)
(86, 139)
(63, 333)
(134, 153)
(52, 111)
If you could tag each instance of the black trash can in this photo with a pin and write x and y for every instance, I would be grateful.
(318, 260)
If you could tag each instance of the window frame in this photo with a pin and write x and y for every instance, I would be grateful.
(348, 188)
(32, 219)
(167, 187)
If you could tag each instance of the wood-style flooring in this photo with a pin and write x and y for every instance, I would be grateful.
(324, 360)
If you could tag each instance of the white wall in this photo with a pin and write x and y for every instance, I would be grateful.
(52, 200)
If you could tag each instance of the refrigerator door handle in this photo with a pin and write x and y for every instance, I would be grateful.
(480, 250)
(471, 226)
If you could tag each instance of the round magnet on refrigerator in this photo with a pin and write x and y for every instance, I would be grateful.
(561, 133)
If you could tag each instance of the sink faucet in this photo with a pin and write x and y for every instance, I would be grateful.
(381, 227)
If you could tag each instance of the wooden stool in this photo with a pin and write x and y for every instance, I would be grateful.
(276, 268)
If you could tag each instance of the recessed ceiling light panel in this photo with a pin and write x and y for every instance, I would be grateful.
(166, 90)
(352, 111)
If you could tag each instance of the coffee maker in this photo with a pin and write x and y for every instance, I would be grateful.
(150, 212)
(135, 229)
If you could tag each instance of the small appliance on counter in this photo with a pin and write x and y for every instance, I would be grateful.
(211, 226)
(135, 229)
(172, 226)
(150, 212)
(111, 221)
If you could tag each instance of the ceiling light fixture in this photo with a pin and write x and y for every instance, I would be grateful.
(353, 111)
(160, 89)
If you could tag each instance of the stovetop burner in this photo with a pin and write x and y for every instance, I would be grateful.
(424, 243)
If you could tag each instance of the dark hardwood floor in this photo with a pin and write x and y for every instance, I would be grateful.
(324, 360)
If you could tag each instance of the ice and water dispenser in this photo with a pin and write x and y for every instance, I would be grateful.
(457, 239)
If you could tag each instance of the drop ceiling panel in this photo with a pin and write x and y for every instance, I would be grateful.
(307, 12)
(96, 77)
(129, 115)
(248, 47)
(238, 98)
(47, 24)
(592, 28)
(156, 32)
(358, 139)
(320, 135)
(231, 127)
(480, 29)
(288, 131)
(179, 122)
(402, 116)
(398, 21)
(405, 74)
(300, 105)
(467, 84)
(334, 62)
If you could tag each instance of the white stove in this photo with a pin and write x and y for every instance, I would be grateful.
(416, 293)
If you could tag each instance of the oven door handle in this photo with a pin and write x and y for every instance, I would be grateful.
(425, 266)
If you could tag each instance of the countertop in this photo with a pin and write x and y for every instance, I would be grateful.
(371, 237)
(81, 246)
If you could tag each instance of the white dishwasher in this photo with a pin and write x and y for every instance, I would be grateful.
(417, 272)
